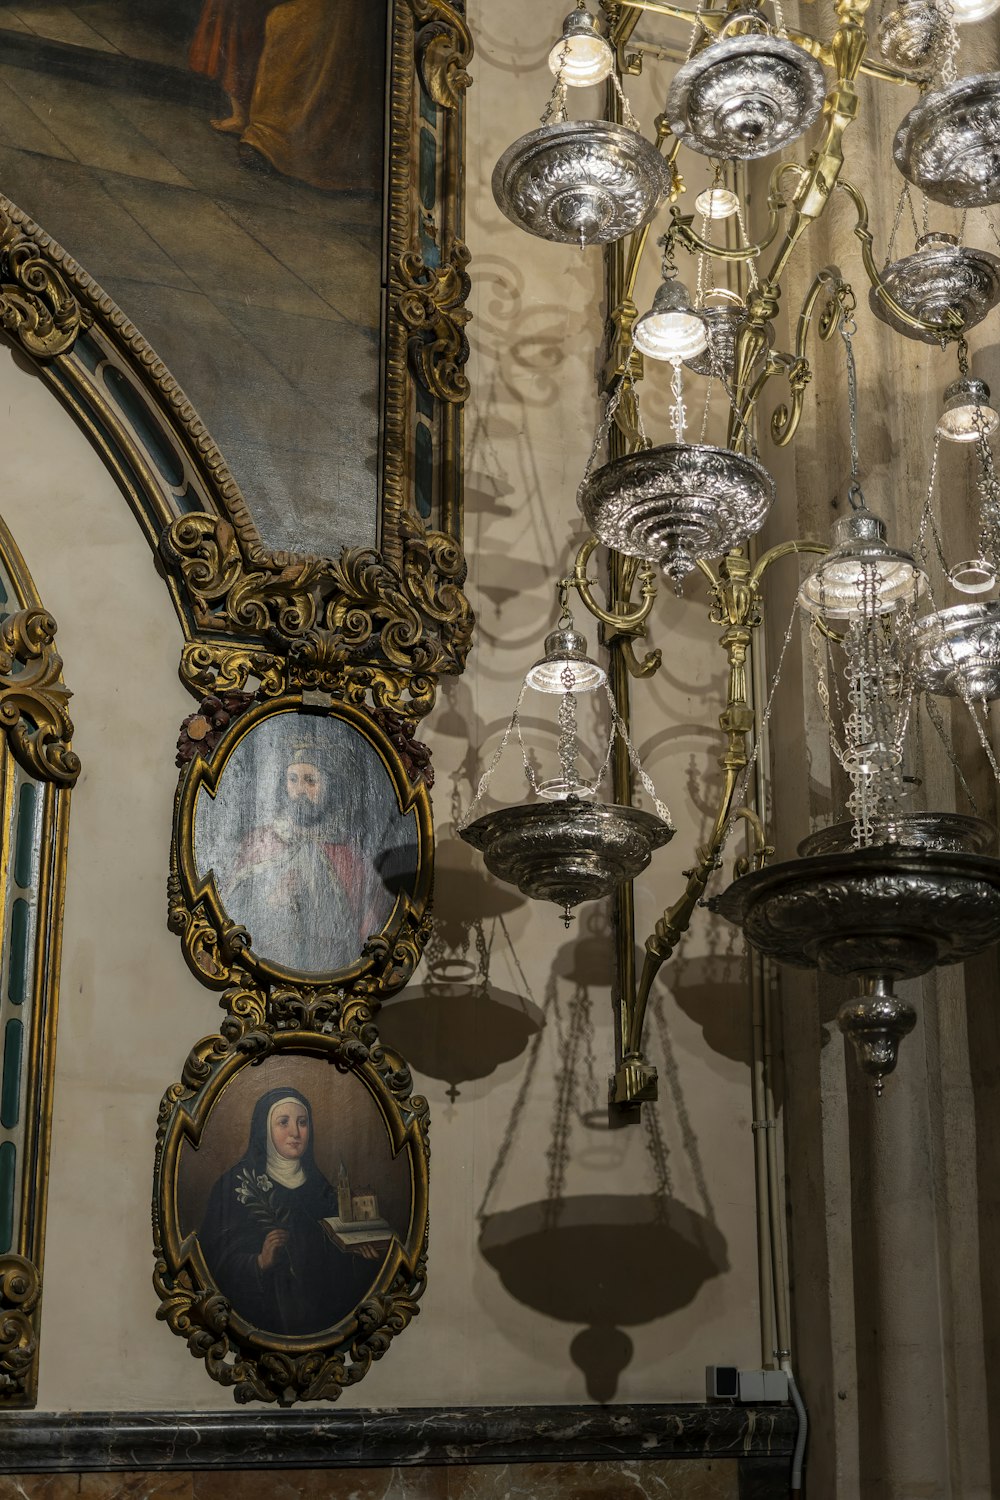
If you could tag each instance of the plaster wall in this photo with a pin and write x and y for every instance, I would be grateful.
(645, 1310)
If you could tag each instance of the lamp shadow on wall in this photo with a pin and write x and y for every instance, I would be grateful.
(711, 990)
(456, 1025)
(608, 1261)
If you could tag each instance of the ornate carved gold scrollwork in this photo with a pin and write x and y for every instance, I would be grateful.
(209, 668)
(432, 305)
(331, 617)
(444, 50)
(33, 698)
(37, 307)
(256, 1364)
(230, 590)
(20, 1290)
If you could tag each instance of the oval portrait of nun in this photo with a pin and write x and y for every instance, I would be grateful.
(309, 836)
(297, 1200)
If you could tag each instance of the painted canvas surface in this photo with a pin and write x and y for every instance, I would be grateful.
(294, 1195)
(217, 165)
(306, 842)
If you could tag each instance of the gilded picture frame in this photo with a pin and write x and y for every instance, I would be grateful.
(218, 1215)
(38, 769)
(394, 609)
(302, 852)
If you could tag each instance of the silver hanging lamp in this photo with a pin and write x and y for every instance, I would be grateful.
(582, 182)
(567, 847)
(941, 276)
(745, 96)
(949, 143)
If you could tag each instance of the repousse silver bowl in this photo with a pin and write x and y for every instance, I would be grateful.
(956, 651)
(744, 97)
(949, 143)
(676, 503)
(940, 275)
(583, 182)
(567, 851)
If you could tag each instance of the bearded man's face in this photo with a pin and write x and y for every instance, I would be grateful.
(306, 790)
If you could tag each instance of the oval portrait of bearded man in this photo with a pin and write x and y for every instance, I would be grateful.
(307, 842)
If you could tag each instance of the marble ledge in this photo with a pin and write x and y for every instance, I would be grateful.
(79, 1442)
(685, 1479)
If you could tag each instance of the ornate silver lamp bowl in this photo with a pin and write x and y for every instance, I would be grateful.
(677, 503)
(743, 97)
(582, 182)
(914, 36)
(940, 276)
(945, 832)
(567, 851)
(949, 143)
(878, 914)
(956, 651)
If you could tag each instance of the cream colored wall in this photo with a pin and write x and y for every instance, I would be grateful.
(130, 1009)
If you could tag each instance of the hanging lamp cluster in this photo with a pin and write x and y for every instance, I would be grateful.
(873, 896)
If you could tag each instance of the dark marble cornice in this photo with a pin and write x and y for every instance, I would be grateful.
(345, 1438)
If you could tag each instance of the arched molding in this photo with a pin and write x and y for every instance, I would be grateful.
(38, 767)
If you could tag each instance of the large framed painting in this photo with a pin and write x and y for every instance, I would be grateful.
(303, 852)
(290, 1207)
(270, 191)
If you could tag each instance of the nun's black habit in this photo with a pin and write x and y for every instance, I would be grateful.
(312, 1284)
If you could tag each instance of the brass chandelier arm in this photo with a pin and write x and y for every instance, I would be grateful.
(712, 21)
(785, 419)
(621, 619)
(736, 606)
(951, 328)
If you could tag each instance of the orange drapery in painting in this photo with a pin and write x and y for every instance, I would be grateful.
(308, 74)
(228, 43)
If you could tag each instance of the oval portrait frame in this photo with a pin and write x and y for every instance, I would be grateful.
(257, 1364)
(218, 949)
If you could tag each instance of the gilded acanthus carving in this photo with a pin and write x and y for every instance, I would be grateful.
(20, 1290)
(37, 307)
(444, 50)
(352, 626)
(432, 305)
(209, 668)
(415, 755)
(33, 698)
(231, 591)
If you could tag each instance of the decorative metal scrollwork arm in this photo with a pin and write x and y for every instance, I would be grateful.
(953, 325)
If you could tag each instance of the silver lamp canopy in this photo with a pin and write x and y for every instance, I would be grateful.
(717, 203)
(676, 503)
(565, 667)
(915, 36)
(948, 145)
(743, 97)
(940, 276)
(967, 411)
(581, 182)
(835, 588)
(671, 330)
(582, 56)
